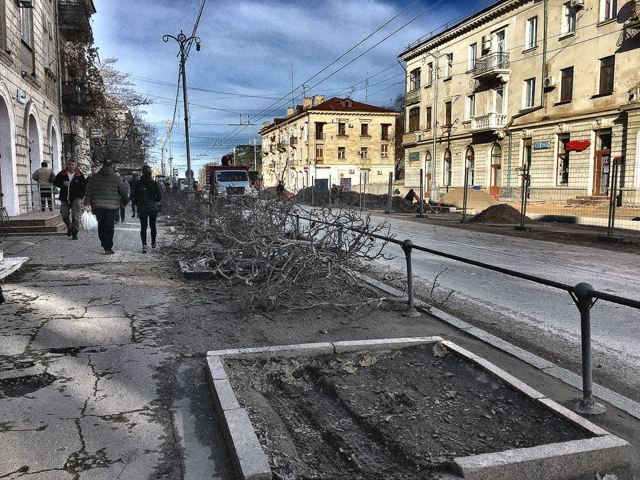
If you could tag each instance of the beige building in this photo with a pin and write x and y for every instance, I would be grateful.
(336, 142)
(30, 130)
(509, 87)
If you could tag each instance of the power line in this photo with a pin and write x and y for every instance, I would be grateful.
(195, 26)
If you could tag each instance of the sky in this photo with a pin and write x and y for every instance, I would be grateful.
(253, 51)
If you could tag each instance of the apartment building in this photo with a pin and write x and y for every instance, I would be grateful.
(547, 86)
(31, 77)
(334, 142)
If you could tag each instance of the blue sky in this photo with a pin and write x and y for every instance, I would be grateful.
(249, 49)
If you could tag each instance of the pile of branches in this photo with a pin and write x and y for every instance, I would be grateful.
(281, 256)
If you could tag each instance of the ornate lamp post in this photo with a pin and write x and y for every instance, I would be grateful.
(185, 44)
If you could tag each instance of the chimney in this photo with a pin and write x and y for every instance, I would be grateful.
(318, 99)
(289, 111)
(307, 102)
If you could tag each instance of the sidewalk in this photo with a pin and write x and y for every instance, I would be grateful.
(102, 362)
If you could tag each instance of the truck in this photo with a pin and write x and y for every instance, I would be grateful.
(228, 180)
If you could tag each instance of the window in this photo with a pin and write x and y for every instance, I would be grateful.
(568, 19)
(342, 153)
(428, 125)
(364, 129)
(449, 68)
(607, 70)
(384, 150)
(531, 33)
(319, 131)
(319, 150)
(414, 79)
(364, 151)
(566, 84)
(3, 28)
(473, 56)
(385, 132)
(471, 106)
(447, 168)
(342, 131)
(447, 113)
(429, 73)
(414, 119)
(529, 93)
(563, 159)
(470, 166)
(608, 10)
(27, 26)
(499, 100)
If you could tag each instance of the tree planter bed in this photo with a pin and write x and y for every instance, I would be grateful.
(417, 408)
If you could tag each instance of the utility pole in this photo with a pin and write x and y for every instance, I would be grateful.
(184, 42)
(162, 156)
(434, 126)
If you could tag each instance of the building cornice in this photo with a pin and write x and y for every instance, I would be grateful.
(298, 116)
(474, 21)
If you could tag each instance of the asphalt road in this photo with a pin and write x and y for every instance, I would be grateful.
(547, 311)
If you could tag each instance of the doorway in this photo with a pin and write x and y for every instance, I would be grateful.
(7, 157)
(602, 164)
(496, 171)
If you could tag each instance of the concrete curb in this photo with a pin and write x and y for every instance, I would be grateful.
(544, 462)
(613, 398)
(9, 265)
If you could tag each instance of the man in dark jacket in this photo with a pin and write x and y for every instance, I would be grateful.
(72, 184)
(132, 187)
(106, 191)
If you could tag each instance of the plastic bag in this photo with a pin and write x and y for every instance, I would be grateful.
(89, 221)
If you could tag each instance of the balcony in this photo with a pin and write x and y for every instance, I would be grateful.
(412, 97)
(493, 121)
(293, 141)
(76, 100)
(491, 66)
(73, 20)
(282, 147)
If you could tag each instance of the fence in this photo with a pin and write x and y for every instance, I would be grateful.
(32, 198)
(583, 295)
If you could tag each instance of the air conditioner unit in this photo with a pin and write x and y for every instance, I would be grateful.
(486, 42)
(549, 82)
(577, 4)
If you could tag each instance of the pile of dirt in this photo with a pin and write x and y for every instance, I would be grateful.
(476, 199)
(397, 415)
(501, 214)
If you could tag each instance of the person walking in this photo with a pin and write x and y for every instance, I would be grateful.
(146, 196)
(132, 186)
(72, 185)
(105, 192)
(44, 177)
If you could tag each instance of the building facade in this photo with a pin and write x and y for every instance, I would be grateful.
(334, 142)
(31, 100)
(546, 87)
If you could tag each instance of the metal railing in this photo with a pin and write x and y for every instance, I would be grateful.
(489, 122)
(583, 295)
(31, 198)
(491, 62)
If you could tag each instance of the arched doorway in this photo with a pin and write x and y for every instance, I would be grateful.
(446, 178)
(470, 166)
(8, 174)
(35, 154)
(55, 142)
(496, 170)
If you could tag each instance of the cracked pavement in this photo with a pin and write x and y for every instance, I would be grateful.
(84, 389)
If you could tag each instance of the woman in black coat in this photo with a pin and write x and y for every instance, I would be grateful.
(146, 195)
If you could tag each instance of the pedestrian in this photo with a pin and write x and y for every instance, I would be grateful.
(93, 171)
(279, 188)
(72, 184)
(44, 177)
(146, 196)
(122, 212)
(106, 191)
(132, 186)
(411, 196)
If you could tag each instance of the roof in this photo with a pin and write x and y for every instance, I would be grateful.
(336, 104)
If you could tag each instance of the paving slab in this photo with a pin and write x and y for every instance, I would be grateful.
(13, 344)
(83, 332)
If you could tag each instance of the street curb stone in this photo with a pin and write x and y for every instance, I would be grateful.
(385, 344)
(9, 266)
(252, 463)
(303, 349)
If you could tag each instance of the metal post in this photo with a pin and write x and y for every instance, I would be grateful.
(390, 193)
(583, 298)
(421, 214)
(329, 189)
(364, 197)
(407, 247)
(313, 191)
(434, 126)
(464, 196)
(523, 200)
(613, 190)
(360, 192)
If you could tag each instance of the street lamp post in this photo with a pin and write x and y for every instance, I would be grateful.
(184, 42)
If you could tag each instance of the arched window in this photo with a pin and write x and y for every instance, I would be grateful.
(496, 170)
(447, 168)
(470, 165)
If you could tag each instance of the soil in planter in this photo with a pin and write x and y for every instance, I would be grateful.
(394, 415)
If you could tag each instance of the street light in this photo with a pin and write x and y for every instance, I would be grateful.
(183, 41)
